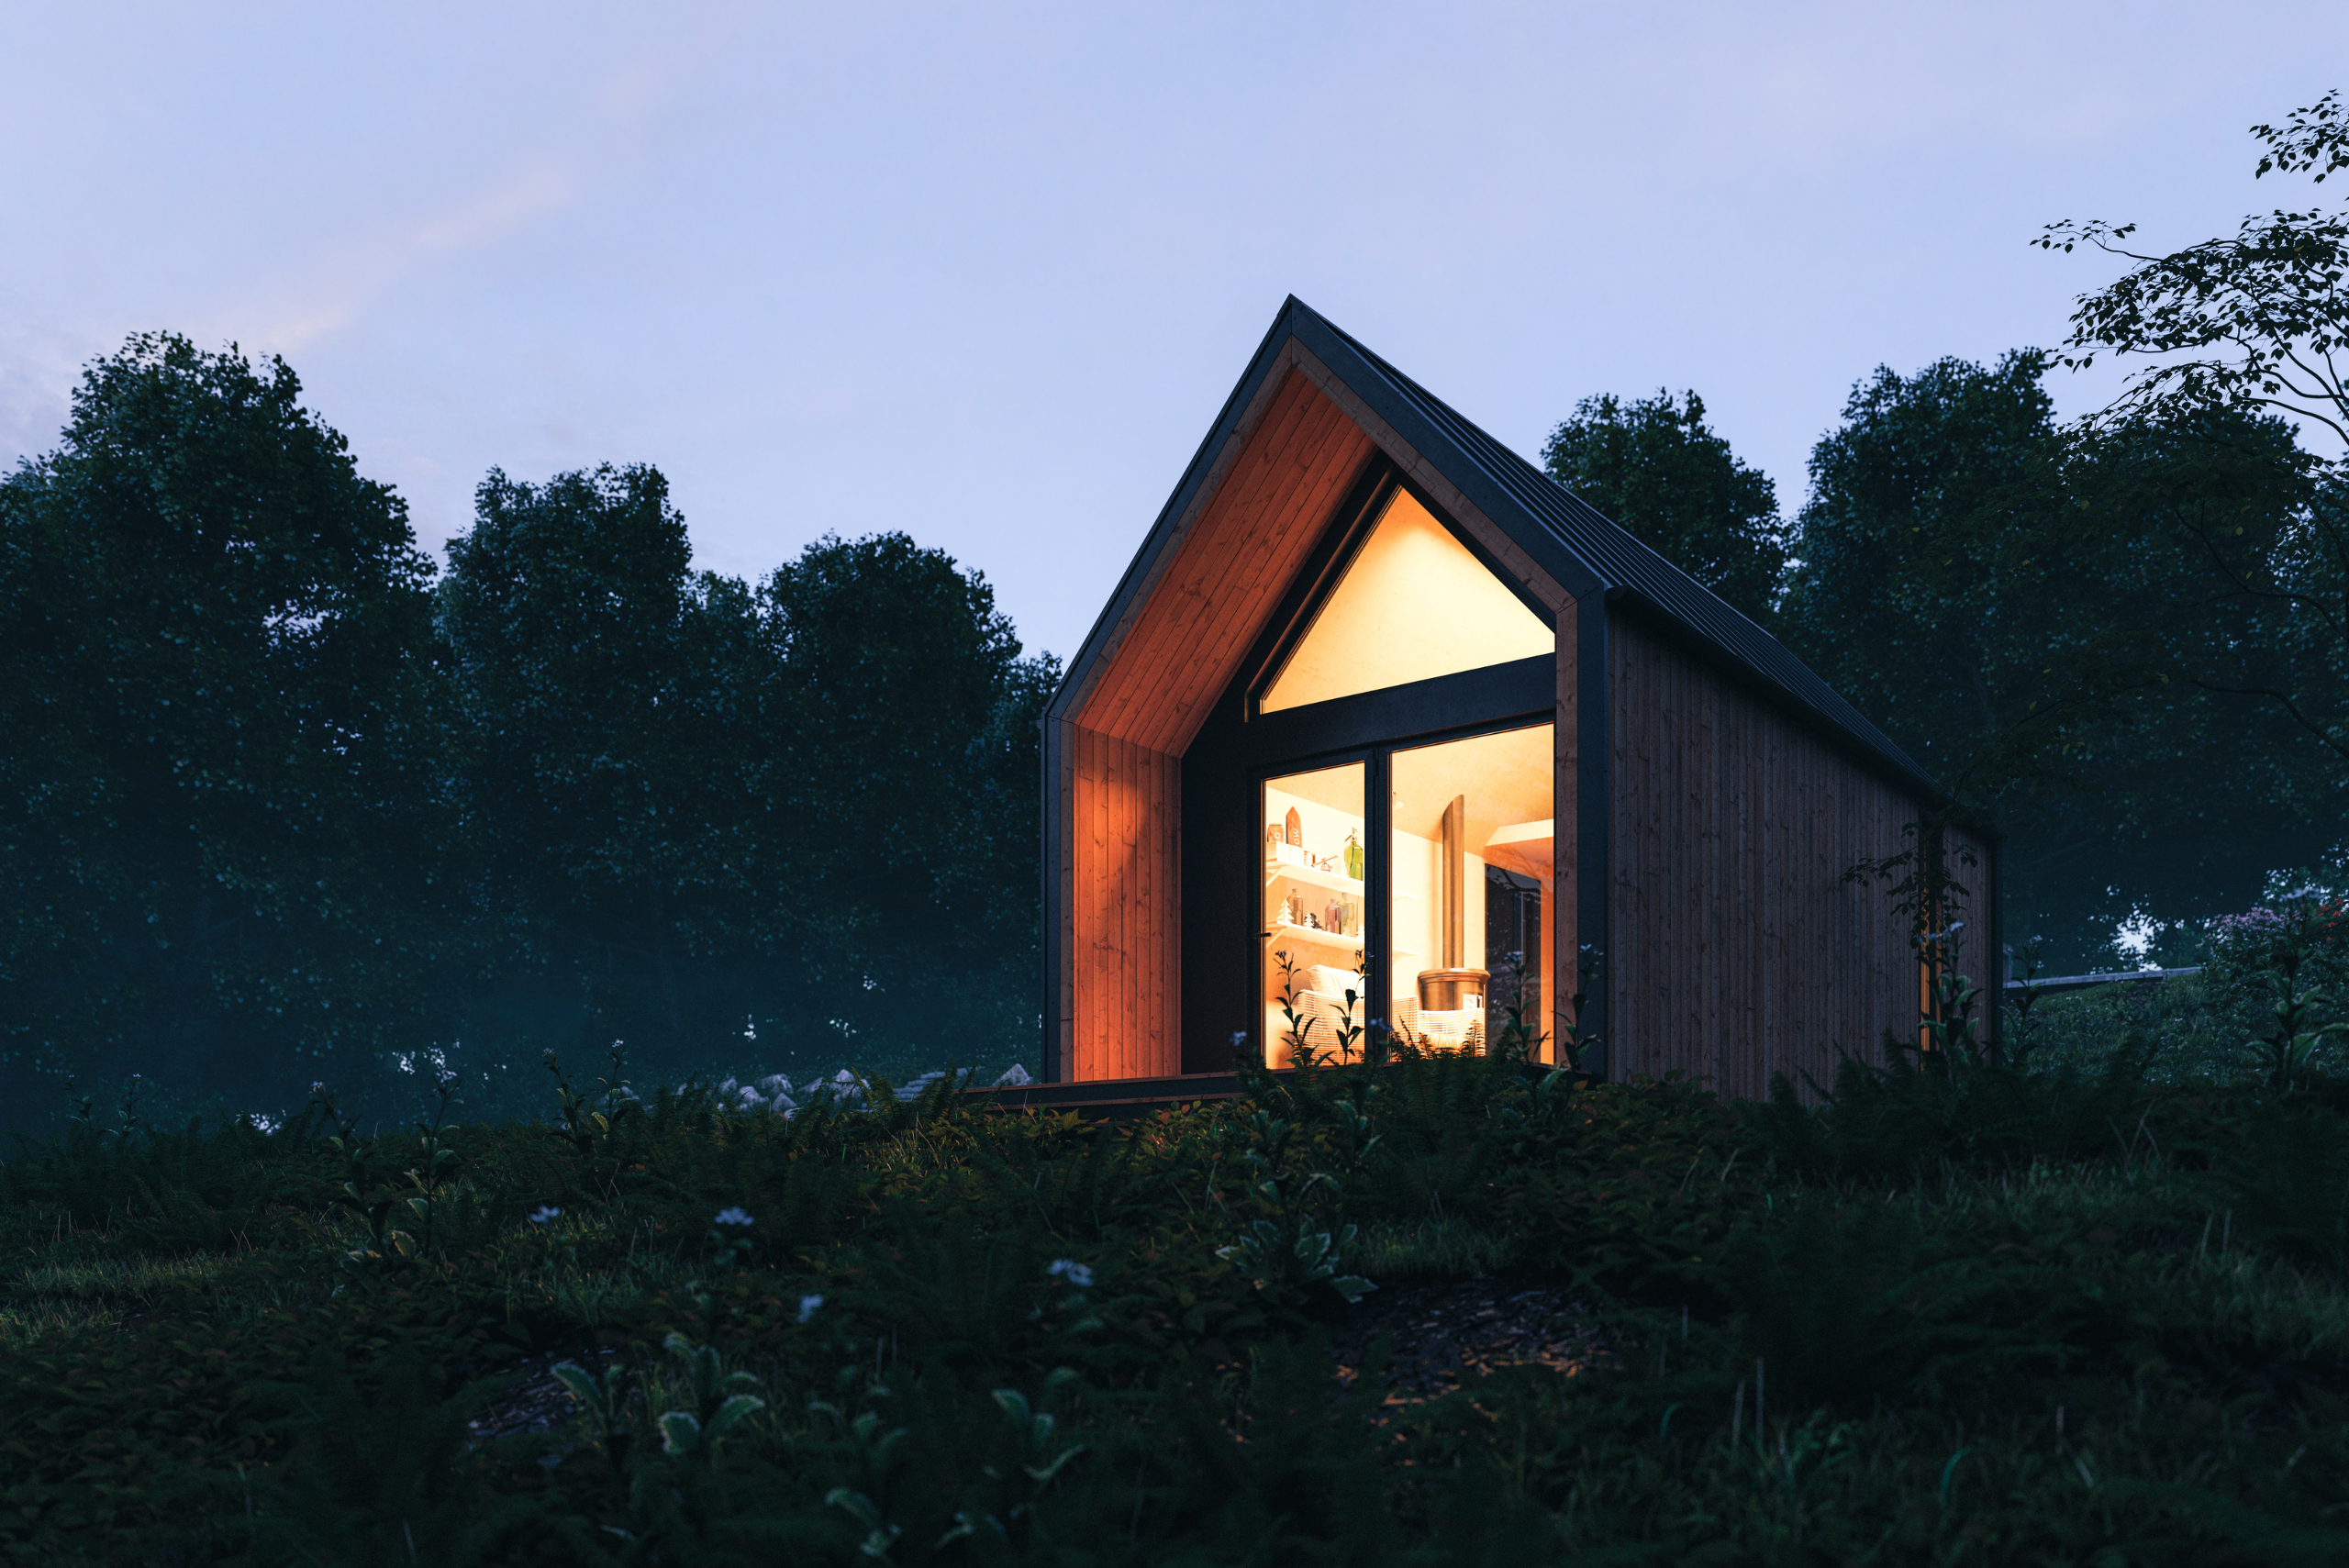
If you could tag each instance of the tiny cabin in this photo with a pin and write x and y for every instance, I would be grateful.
(1384, 729)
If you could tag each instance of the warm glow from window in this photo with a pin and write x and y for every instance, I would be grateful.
(1473, 870)
(1413, 605)
(1316, 856)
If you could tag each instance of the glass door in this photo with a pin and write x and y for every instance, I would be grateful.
(1472, 867)
(1314, 910)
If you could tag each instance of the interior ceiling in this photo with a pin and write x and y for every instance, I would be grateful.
(1340, 789)
(1506, 778)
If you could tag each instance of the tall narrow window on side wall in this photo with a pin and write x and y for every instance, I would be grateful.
(1411, 604)
(1316, 859)
(1472, 868)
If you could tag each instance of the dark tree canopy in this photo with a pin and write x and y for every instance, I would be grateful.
(794, 803)
(891, 662)
(2007, 602)
(220, 701)
(604, 689)
(1893, 600)
(2254, 325)
(277, 807)
(1654, 466)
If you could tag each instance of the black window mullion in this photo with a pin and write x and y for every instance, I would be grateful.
(1377, 800)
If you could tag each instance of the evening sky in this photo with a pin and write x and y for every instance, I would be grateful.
(985, 273)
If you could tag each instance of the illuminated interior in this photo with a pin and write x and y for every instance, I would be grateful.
(1473, 870)
(1316, 856)
(1413, 604)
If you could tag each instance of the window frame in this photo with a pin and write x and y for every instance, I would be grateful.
(1239, 748)
(1378, 847)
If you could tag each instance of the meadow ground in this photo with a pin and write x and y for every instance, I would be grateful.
(1443, 1310)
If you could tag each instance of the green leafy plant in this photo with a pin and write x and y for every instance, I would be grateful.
(2296, 1024)
(1289, 1248)
(721, 1402)
(1298, 1034)
(587, 1123)
(387, 1200)
(605, 1399)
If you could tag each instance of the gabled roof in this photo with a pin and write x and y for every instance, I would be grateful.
(1580, 548)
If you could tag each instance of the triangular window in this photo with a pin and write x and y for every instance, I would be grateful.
(1412, 604)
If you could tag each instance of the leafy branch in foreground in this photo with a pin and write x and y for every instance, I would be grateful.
(2269, 299)
(2241, 337)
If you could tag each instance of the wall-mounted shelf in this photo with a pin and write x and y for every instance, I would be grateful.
(1286, 932)
(1312, 876)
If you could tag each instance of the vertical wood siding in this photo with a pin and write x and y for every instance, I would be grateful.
(1228, 573)
(1738, 949)
(1117, 770)
(1563, 914)
(1125, 1019)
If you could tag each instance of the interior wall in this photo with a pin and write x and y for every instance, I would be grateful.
(1124, 1016)
(1738, 950)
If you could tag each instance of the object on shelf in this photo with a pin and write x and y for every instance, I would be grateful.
(1296, 829)
(1354, 856)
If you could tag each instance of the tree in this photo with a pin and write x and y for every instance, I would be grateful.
(812, 803)
(2257, 323)
(1657, 469)
(2002, 599)
(902, 783)
(1895, 599)
(608, 696)
(217, 798)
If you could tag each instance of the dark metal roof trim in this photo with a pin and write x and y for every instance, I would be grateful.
(1155, 542)
(1514, 493)
(1583, 549)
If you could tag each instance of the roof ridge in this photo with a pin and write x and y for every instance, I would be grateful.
(1626, 565)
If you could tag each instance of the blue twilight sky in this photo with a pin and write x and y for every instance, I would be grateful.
(984, 274)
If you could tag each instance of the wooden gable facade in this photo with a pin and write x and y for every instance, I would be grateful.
(1705, 793)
